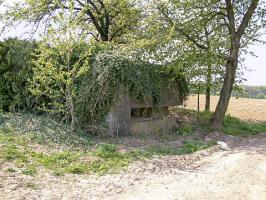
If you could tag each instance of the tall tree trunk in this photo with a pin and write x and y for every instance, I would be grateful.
(232, 61)
(208, 89)
(229, 80)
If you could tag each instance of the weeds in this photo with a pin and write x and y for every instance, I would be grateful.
(106, 158)
(32, 186)
(185, 129)
(187, 148)
(18, 133)
(11, 170)
(43, 130)
(235, 126)
(29, 170)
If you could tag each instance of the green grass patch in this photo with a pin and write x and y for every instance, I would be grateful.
(10, 152)
(232, 125)
(187, 148)
(235, 126)
(11, 170)
(80, 155)
(191, 147)
(105, 158)
(29, 170)
(185, 129)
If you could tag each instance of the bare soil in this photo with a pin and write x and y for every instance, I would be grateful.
(238, 173)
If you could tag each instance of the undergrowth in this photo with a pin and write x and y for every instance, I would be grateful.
(105, 158)
(62, 152)
(43, 130)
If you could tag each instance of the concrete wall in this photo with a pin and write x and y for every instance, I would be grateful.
(119, 119)
(151, 126)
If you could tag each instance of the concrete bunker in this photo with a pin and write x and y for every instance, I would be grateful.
(131, 116)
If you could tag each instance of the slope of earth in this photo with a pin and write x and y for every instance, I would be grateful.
(238, 173)
(243, 108)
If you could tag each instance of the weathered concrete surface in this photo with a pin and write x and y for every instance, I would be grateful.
(163, 125)
(120, 122)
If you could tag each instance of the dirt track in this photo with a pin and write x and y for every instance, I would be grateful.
(236, 174)
(239, 173)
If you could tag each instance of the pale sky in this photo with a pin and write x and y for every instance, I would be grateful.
(257, 65)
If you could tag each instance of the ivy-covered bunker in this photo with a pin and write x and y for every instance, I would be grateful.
(130, 97)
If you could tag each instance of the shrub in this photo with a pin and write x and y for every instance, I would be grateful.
(15, 70)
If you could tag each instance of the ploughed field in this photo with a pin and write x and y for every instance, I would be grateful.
(244, 108)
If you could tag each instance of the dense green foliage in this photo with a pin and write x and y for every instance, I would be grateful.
(68, 77)
(109, 72)
(15, 71)
(56, 74)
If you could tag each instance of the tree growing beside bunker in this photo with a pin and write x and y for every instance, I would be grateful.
(204, 24)
(202, 35)
(223, 31)
(61, 61)
(244, 21)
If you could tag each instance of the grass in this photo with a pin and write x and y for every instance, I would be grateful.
(32, 186)
(249, 115)
(80, 153)
(235, 126)
(62, 152)
(187, 148)
(105, 158)
(232, 125)
(11, 170)
(44, 130)
(185, 129)
(29, 170)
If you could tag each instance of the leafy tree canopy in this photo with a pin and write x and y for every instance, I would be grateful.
(105, 20)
